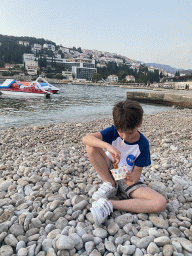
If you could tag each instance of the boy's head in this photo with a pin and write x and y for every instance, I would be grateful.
(127, 115)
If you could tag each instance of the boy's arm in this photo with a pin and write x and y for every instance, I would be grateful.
(96, 140)
(134, 176)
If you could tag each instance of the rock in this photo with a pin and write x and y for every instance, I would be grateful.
(110, 246)
(46, 244)
(89, 246)
(5, 185)
(122, 220)
(6, 250)
(186, 244)
(158, 222)
(128, 249)
(77, 240)
(34, 178)
(22, 252)
(144, 242)
(51, 252)
(16, 230)
(53, 233)
(168, 250)
(138, 252)
(100, 232)
(152, 248)
(178, 180)
(81, 205)
(11, 240)
(113, 228)
(20, 244)
(161, 241)
(64, 243)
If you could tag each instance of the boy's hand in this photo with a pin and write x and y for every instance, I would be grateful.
(129, 176)
(129, 179)
(116, 154)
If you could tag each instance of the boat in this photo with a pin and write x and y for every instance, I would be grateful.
(38, 87)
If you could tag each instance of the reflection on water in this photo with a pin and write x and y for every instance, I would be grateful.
(74, 103)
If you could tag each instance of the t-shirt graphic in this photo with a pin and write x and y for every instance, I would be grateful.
(130, 160)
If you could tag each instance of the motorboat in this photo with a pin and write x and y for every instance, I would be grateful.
(38, 87)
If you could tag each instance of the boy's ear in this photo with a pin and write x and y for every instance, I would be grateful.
(141, 124)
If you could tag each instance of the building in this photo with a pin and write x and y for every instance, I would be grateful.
(28, 57)
(50, 47)
(83, 72)
(64, 49)
(112, 79)
(83, 63)
(31, 66)
(68, 75)
(37, 47)
(24, 43)
(130, 78)
(151, 69)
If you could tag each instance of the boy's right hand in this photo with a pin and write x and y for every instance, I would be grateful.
(116, 154)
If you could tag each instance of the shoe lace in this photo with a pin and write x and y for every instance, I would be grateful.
(105, 207)
(105, 187)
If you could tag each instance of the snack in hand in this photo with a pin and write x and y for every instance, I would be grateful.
(120, 173)
(115, 165)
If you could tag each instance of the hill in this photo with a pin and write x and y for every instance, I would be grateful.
(164, 67)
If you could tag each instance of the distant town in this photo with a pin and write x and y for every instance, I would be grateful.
(76, 64)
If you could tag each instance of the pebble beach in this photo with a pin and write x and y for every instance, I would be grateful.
(46, 185)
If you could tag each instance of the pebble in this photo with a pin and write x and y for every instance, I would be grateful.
(46, 187)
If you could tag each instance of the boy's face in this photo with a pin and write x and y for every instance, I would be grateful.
(130, 135)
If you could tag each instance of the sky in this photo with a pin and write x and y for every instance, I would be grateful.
(149, 31)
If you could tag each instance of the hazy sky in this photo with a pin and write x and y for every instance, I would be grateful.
(148, 31)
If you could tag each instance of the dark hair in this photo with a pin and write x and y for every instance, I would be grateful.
(127, 115)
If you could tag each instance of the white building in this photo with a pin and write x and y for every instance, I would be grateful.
(64, 49)
(151, 69)
(25, 43)
(50, 47)
(28, 57)
(68, 75)
(37, 47)
(31, 66)
(112, 79)
(130, 78)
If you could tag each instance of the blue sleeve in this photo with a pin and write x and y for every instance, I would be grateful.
(109, 134)
(144, 158)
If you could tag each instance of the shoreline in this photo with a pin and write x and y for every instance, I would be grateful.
(46, 185)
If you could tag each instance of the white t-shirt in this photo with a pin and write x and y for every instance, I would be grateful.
(132, 154)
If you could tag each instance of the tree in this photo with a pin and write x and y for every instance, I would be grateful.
(177, 73)
(96, 77)
(59, 76)
(79, 50)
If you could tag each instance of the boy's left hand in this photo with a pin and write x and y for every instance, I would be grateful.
(129, 176)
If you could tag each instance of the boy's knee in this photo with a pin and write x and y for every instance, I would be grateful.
(91, 151)
(161, 204)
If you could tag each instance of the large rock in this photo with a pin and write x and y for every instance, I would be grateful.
(122, 220)
(64, 243)
(159, 222)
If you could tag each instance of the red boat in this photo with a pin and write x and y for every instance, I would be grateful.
(38, 87)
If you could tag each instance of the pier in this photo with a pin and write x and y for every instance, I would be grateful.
(177, 98)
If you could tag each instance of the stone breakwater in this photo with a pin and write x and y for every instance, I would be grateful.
(46, 184)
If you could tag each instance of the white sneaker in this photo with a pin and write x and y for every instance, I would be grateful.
(100, 210)
(106, 190)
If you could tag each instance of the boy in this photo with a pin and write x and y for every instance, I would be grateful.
(125, 145)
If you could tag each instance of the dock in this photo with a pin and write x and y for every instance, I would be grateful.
(169, 97)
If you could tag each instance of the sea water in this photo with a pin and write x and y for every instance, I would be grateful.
(74, 103)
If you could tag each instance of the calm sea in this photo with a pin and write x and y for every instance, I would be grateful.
(74, 103)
